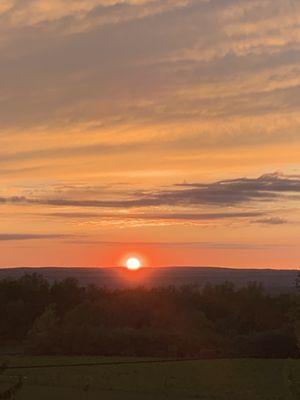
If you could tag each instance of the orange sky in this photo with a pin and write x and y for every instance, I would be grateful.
(163, 128)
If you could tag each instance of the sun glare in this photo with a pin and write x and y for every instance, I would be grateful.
(133, 264)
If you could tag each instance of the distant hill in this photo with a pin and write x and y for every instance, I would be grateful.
(274, 281)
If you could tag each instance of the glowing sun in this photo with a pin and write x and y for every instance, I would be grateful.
(133, 264)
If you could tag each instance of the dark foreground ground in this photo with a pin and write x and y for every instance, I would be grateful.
(205, 379)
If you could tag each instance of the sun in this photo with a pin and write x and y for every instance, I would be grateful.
(133, 264)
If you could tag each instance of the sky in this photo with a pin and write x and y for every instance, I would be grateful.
(165, 129)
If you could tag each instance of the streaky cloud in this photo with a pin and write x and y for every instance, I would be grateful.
(29, 236)
(266, 188)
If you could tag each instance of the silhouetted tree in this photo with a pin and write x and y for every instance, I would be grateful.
(66, 294)
(11, 392)
(297, 311)
(298, 282)
(43, 333)
(21, 302)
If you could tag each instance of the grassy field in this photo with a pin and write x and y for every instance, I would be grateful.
(206, 380)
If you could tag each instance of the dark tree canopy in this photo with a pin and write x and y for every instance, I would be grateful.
(213, 321)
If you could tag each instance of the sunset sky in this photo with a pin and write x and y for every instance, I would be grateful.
(164, 129)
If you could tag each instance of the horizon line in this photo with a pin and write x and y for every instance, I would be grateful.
(297, 269)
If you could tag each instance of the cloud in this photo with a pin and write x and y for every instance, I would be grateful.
(70, 151)
(271, 221)
(161, 216)
(184, 60)
(266, 188)
(29, 236)
(191, 245)
(82, 13)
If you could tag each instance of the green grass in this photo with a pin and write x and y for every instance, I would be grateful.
(206, 380)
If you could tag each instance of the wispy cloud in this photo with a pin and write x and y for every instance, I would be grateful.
(173, 63)
(271, 221)
(266, 188)
(186, 245)
(29, 236)
(161, 216)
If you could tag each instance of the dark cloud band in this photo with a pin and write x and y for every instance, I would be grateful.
(266, 188)
(28, 236)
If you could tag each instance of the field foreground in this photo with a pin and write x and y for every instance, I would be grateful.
(206, 379)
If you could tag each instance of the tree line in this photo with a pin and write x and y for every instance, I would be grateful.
(66, 318)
